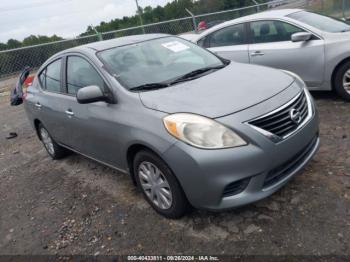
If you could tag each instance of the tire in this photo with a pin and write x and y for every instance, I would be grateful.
(52, 148)
(342, 76)
(167, 191)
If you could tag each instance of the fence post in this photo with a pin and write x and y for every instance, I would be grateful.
(308, 3)
(98, 34)
(322, 5)
(343, 6)
(257, 6)
(139, 11)
(193, 20)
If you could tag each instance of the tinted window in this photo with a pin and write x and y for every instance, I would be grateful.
(81, 73)
(272, 31)
(50, 78)
(232, 35)
(321, 22)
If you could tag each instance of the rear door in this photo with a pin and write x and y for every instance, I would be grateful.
(229, 42)
(50, 101)
(271, 45)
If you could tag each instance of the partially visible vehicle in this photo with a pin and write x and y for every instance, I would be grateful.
(189, 128)
(313, 46)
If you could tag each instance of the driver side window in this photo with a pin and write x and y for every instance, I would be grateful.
(81, 73)
(272, 31)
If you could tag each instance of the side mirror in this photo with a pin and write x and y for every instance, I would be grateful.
(301, 37)
(90, 94)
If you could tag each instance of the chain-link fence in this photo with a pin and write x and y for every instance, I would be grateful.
(336, 8)
(13, 61)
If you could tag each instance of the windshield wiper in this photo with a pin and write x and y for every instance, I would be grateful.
(193, 74)
(186, 77)
(150, 86)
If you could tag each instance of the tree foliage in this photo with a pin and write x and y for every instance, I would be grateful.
(14, 60)
(29, 41)
(172, 10)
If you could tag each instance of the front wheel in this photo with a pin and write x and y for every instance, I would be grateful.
(159, 185)
(342, 81)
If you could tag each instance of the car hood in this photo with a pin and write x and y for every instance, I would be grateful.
(225, 91)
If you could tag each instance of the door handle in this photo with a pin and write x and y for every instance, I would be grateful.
(257, 53)
(38, 105)
(69, 113)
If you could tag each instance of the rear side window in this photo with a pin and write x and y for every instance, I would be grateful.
(50, 78)
(80, 73)
(272, 31)
(228, 36)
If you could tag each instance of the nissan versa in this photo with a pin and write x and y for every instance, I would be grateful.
(190, 128)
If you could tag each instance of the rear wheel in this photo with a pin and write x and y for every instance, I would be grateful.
(342, 81)
(52, 148)
(159, 185)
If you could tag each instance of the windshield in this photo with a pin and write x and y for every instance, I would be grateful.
(156, 61)
(324, 23)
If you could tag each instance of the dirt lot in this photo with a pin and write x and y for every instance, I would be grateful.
(76, 206)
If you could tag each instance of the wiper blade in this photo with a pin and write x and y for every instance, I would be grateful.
(149, 86)
(191, 75)
(188, 76)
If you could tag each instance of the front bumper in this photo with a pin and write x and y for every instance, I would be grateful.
(205, 174)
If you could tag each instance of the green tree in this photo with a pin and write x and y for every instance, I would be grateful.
(13, 43)
(3, 46)
(172, 10)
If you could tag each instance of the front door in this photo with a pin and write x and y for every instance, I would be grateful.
(93, 130)
(272, 46)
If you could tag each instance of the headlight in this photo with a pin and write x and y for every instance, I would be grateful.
(201, 132)
(296, 77)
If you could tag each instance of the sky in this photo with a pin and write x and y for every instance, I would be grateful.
(65, 18)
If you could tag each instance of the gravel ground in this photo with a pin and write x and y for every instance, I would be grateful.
(76, 206)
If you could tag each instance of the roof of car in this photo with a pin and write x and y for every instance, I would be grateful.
(120, 41)
(275, 13)
(278, 13)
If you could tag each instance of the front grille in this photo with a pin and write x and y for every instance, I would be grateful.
(236, 187)
(282, 171)
(280, 122)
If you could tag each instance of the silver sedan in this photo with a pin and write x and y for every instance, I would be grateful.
(313, 46)
(163, 110)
